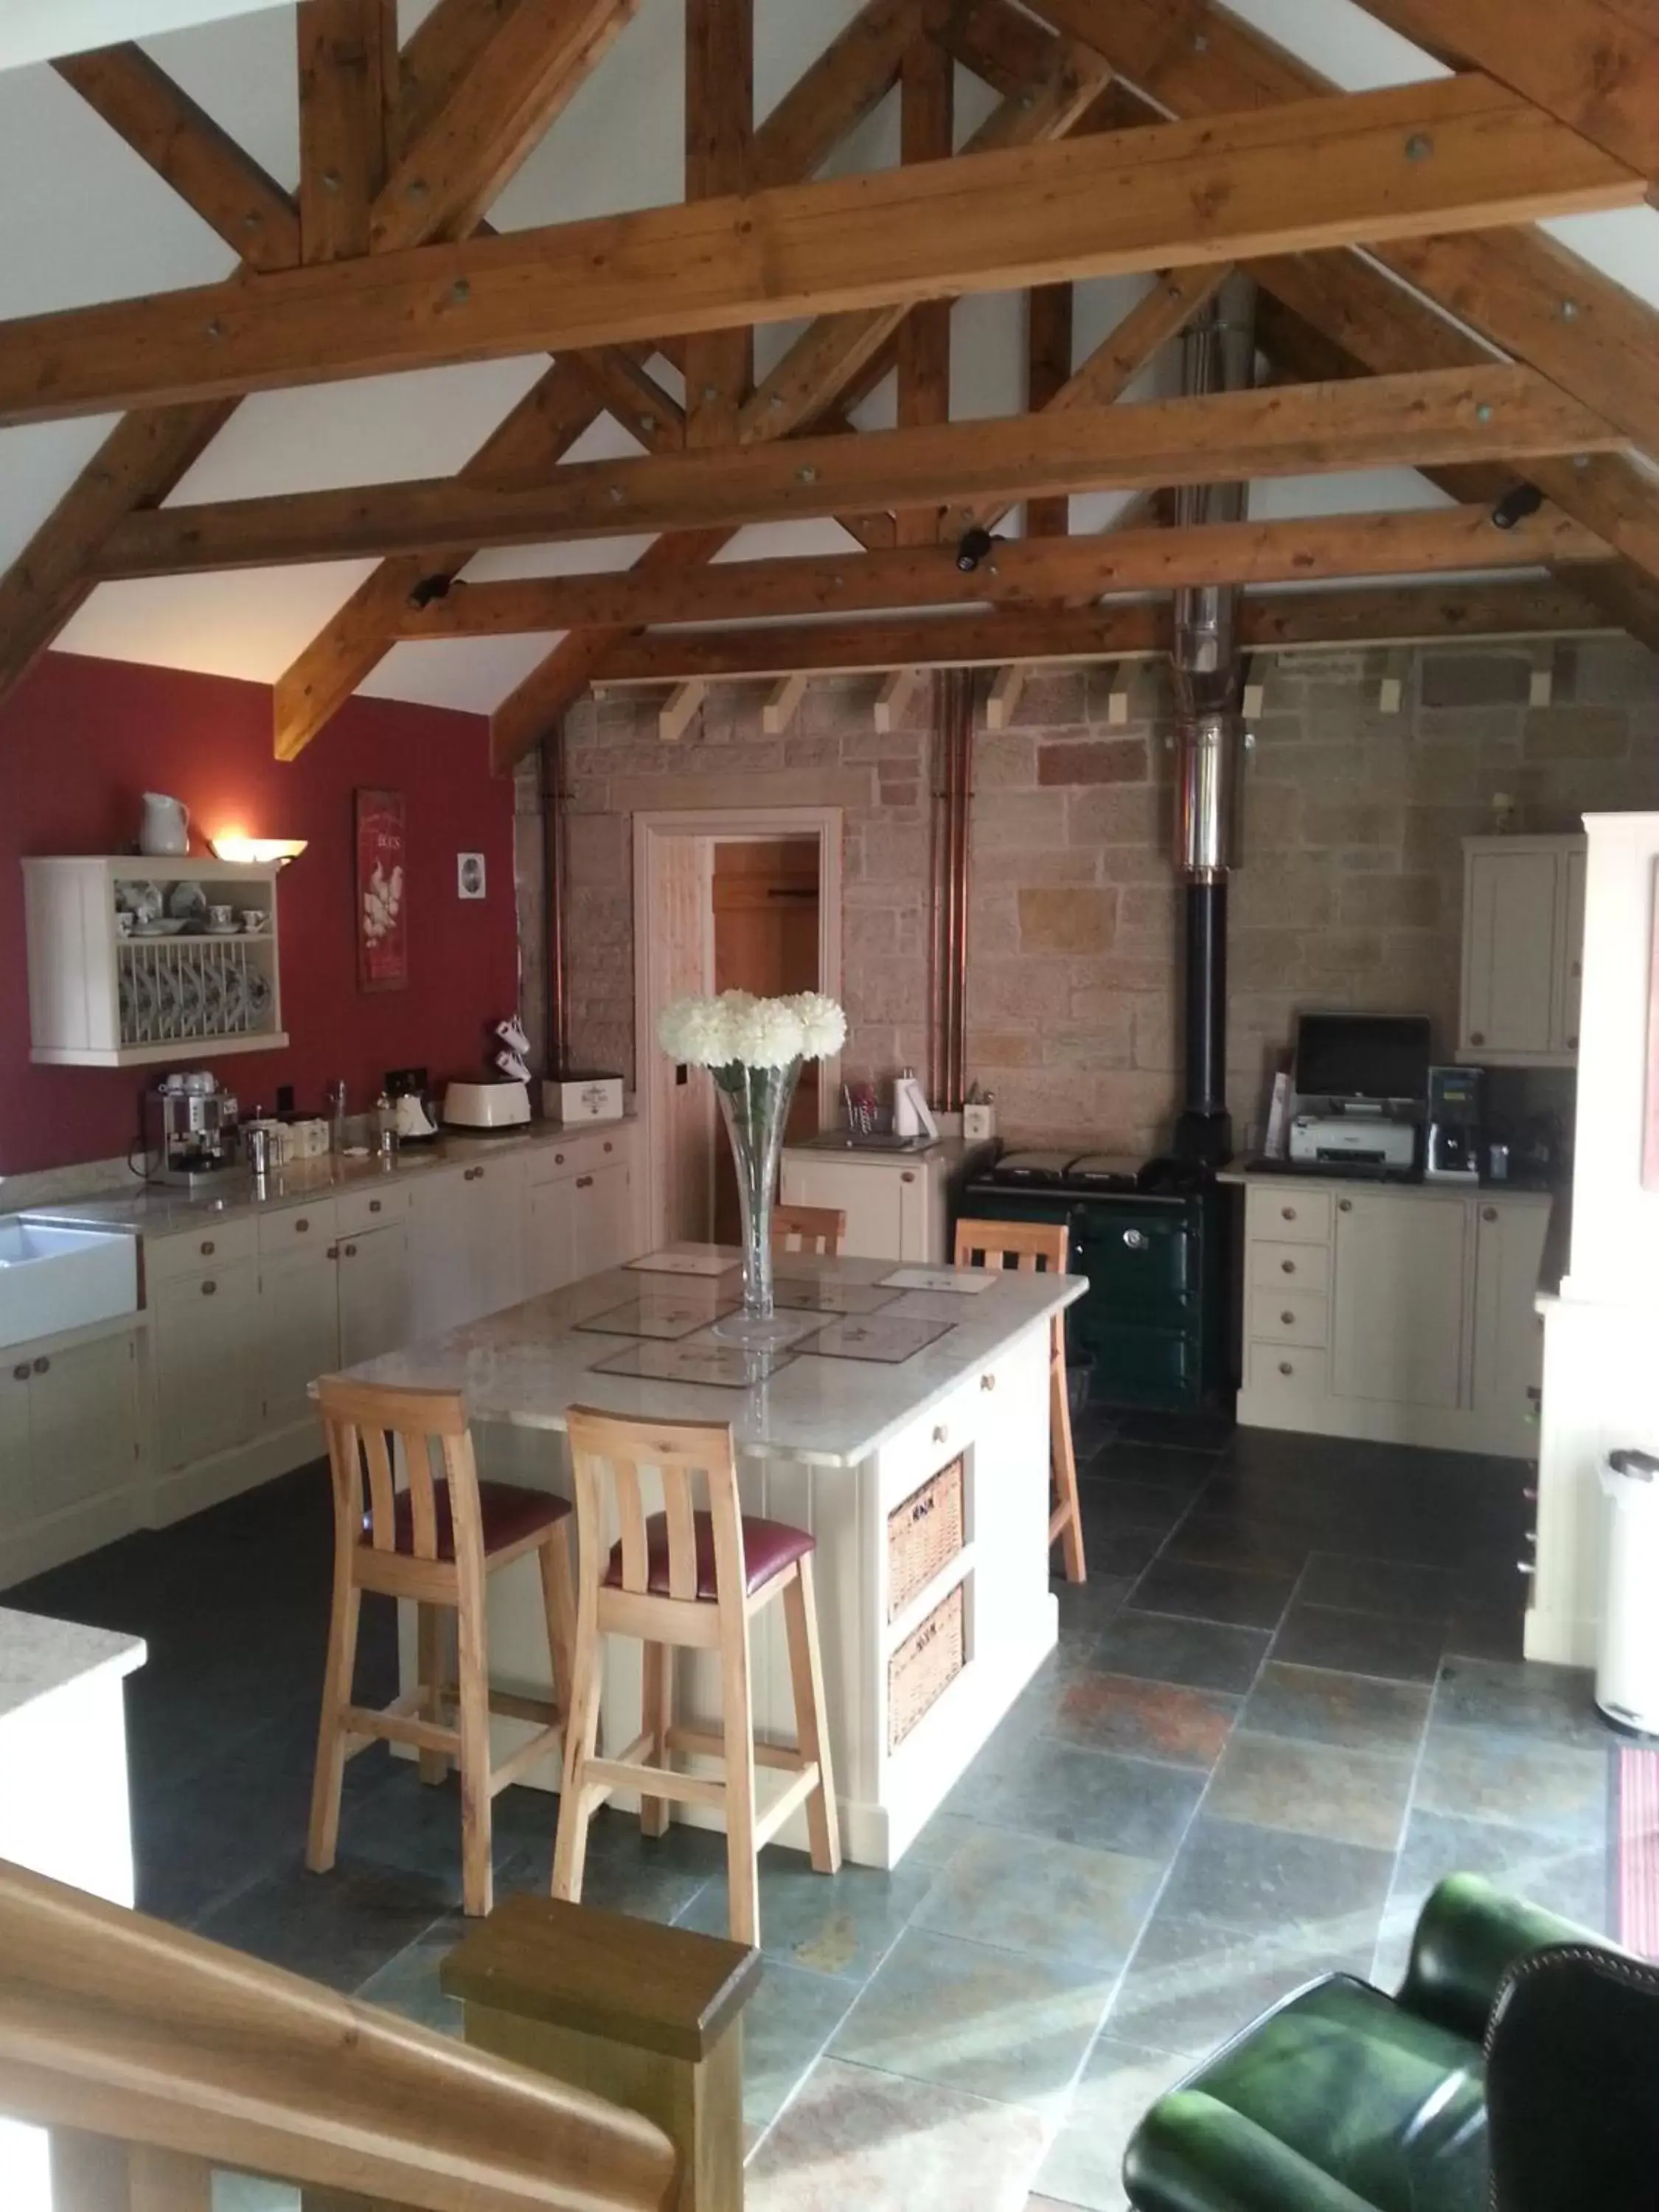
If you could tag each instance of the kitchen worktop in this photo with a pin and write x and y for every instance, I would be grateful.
(1514, 1185)
(831, 1144)
(528, 1365)
(157, 1209)
(39, 1656)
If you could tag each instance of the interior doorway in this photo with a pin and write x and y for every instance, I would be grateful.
(746, 900)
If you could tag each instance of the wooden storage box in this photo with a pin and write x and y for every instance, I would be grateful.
(924, 1535)
(924, 1665)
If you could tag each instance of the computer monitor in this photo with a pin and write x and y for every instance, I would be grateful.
(1349, 1058)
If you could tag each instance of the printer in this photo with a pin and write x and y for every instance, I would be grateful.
(1359, 1088)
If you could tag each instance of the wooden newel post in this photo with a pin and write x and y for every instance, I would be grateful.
(647, 2017)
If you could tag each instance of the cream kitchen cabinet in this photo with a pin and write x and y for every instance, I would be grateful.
(581, 1212)
(299, 1333)
(372, 1278)
(1401, 1313)
(71, 1446)
(206, 1343)
(466, 1239)
(896, 1207)
(1524, 929)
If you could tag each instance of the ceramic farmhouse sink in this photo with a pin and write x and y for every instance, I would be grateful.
(53, 1278)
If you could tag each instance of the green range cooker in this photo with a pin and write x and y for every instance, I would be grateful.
(1156, 1240)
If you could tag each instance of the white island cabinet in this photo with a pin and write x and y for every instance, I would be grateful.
(898, 1204)
(919, 1667)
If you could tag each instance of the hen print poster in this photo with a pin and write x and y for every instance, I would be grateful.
(382, 892)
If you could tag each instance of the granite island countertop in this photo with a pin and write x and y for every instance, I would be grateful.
(38, 1655)
(528, 1365)
(159, 1209)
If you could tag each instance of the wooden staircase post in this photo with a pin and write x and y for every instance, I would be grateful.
(645, 2016)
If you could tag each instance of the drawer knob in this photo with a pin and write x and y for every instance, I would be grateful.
(940, 1433)
(207, 1247)
(1345, 1205)
(1489, 1213)
(1287, 1267)
(1572, 1044)
(208, 1287)
(988, 1382)
(607, 1144)
(1135, 1239)
(21, 1372)
(301, 1226)
(908, 1174)
(1287, 1214)
(558, 1159)
(1286, 1368)
(373, 1205)
(1477, 1036)
(41, 1366)
(584, 1182)
(1288, 1319)
(351, 1251)
(333, 1253)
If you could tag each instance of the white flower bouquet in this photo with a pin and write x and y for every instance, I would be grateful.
(753, 1048)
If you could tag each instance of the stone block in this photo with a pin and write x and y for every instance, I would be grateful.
(1155, 1033)
(1349, 822)
(996, 1049)
(1032, 820)
(1005, 760)
(1613, 670)
(1406, 902)
(1074, 760)
(1330, 956)
(993, 923)
(1486, 678)
(1118, 814)
(1066, 921)
(1039, 865)
(1101, 982)
(1272, 816)
(894, 853)
(1259, 958)
(1576, 733)
(1052, 697)
(1294, 887)
(1018, 992)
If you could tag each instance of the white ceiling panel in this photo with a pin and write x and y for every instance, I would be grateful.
(473, 674)
(37, 464)
(33, 30)
(242, 71)
(248, 622)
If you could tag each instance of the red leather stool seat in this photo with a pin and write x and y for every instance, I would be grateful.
(768, 1547)
(509, 1514)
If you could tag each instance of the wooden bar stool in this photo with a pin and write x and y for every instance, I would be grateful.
(816, 1228)
(688, 1577)
(434, 1542)
(1031, 1247)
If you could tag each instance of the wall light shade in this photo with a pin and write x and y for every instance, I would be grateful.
(231, 845)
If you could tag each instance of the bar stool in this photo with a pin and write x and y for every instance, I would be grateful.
(1031, 1247)
(435, 1543)
(688, 1577)
(816, 1228)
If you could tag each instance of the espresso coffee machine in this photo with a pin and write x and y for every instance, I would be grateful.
(190, 1131)
(1453, 1151)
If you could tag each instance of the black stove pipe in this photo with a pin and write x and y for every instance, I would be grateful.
(1204, 1130)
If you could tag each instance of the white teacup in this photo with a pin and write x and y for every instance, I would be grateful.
(221, 917)
(124, 918)
(252, 918)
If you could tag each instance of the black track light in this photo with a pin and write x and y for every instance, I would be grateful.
(974, 547)
(1520, 500)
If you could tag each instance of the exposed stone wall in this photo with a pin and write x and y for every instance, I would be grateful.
(1350, 893)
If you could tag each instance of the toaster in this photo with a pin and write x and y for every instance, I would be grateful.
(486, 1105)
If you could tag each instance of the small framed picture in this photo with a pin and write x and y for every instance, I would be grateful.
(469, 875)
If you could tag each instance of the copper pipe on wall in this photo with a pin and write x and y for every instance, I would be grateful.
(556, 879)
(952, 749)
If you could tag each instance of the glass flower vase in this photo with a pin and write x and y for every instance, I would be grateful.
(755, 1102)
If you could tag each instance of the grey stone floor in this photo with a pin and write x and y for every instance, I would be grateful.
(1288, 1700)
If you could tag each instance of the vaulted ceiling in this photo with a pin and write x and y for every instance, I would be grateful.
(178, 477)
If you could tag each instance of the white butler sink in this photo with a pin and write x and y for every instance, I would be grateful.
(54, 1279)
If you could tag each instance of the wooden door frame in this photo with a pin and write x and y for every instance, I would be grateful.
(725, 825)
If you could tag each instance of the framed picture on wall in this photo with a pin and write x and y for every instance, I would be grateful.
(382, 886)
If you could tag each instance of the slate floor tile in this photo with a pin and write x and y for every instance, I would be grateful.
(841, 1925)
(1084, 2162)
(1190, 1985)
(1548, 1703)
(855, 2138)
(1481, 1775)
(1360, 1643)
(1486, 1632)
(1201, 1654)
(1573, 1879)
(1266, 1543)
(1087, 1607)
(989, 2022)
(1402, 1591)
(1052, 1900)
(1151, 1720)
(1316, 1790)
(1123, 1550)
(1316, 1704)
(337, 1928)
(1100, 1799)
(1233, 1595)
(408, 1984)
(1178, 1474)
(1110, 1506)
(1251, 1878)
(786, 2026)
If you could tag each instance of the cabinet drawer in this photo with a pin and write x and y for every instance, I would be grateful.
(292, 1225)
(355, 1212)
(580, 1153)
(1278, 1267)
(1291, 1216)
(215, 1244)
(1290, 1317)
(1286, 1373)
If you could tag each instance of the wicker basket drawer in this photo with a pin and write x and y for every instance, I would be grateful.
(924, 1665)
(924, 1533)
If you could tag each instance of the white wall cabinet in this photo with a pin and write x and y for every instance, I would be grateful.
(1398, 1313)
(896, 1207)
(1523, 931)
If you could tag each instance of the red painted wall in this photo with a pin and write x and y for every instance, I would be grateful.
(81, 738)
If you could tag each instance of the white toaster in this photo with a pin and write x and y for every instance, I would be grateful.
(486, 1105)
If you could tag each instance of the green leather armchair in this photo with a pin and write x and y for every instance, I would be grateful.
(1344, 2099)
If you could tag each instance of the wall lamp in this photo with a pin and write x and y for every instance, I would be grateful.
(231, 845)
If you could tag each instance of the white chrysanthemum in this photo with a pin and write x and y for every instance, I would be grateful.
(766, 1033)
(696, 1030)
(822, 1023)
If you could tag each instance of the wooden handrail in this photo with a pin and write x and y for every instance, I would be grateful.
(120, 2026)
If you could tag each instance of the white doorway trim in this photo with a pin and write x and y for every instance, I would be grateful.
(654, 835)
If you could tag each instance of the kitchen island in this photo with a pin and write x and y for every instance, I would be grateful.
(907, 1427)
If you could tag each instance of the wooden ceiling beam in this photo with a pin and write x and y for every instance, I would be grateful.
(1581, 61)
(1276, 622)
(518, 82)
(1458, 415)
(1030, 571)
(927, 113)
(1047, 372)
(186, 149)
(720, 130)
(1520, 288)
(348, 61)
(1461, 153)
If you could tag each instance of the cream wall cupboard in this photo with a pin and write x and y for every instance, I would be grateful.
(1396, 1312)
(1523, 931)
